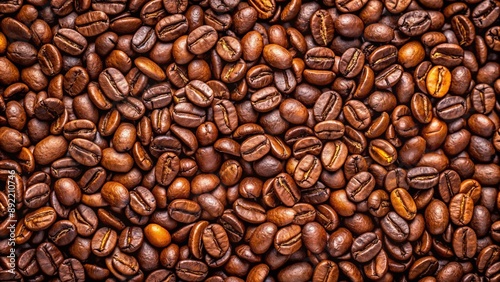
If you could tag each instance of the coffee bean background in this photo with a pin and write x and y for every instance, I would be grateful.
(259, 140)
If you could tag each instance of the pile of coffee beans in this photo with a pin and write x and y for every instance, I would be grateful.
(259, 140)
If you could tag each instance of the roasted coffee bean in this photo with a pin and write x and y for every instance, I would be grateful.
(171, 27)
(461, 208)
(40, 219)
(360, 186)
(49, 258)
(104, 241)
(191, 270)
(286, 190)
(414, 23)
(202, 39)
(447, 54)
(70, 41)
(255, 147)
(366, 247)
(357, 114)
(403, 203)
(92, 23)
(382, 152)
(266, 99)
(85, 152)
(62, 233)
(322, 27)
(422, 177)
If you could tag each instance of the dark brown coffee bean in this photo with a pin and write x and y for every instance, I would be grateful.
(423, 267)
(266, 99)
(366, 247)
(360, 186)
(264, 9)
(357, 114)
(422, 177)
(464, 242)
(447, 54)
(191, 270)
(184, 211)
(85, 152)
(249, 211)
(171, 27)
(286, 190)
(320, 58)
(84, 219)
(202, 39)
(414, 23)
(62, 233)
(277, 56)
(92, 23)
(104, 241)
(464, 29)
(288, 239)
(49, 258)
(351, 62)
(328, 106)
(255, 147)
(395, 227)
(167, 168)
(308, 171)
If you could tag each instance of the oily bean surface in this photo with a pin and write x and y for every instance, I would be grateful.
(249, 140)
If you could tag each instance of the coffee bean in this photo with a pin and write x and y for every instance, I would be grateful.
(447, 54)
(365, 247)
(92, 23)
(191, 270)
(422, 177)
(382, 152)
(277, 56)
(403, 203)
(461, 209)
(70, 41)
(104, 241)
(40, 219)
(395, 227)
(414, 23)
(360, 186)
(71, 269)
(202, 39)
(286, 190)
(49, 258)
